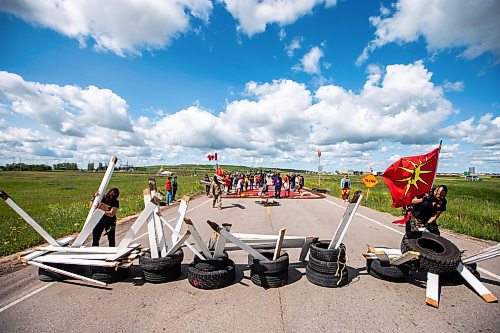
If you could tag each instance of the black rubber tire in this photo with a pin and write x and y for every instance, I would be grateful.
(210, 265)
(275, 280)
(327, 280)
(49, 276)
(326, 267)
(269, 267)
(162, 275)
(437, 254)
(109, 275)
(320, 251)
(211, 280)
(454, 277)
(385, 271)
(154, 264)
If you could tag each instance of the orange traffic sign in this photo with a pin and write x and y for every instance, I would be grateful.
(370, 181)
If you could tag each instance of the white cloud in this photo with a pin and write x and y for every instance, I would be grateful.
(453, 86)
(121, 26)
(472, 26)
(483, 133)
(69, 110)
(295, 44)
(310, 62)
(255, 15)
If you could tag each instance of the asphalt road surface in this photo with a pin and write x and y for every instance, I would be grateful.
(366, 304)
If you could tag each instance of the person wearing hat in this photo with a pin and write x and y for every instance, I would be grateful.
(216, 188)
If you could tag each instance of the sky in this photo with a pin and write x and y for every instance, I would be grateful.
(262, 83)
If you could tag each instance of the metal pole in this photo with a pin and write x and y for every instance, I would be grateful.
(319, 172)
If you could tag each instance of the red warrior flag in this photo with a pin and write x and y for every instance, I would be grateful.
(411, 176)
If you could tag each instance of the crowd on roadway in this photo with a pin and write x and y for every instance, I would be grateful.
(238, 183)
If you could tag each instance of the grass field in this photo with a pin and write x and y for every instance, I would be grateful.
(59, 201)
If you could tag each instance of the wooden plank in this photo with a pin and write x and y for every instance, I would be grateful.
(84, 249)
(181, 214)
(153, 244)
(179, 243)
(346, 220)
(63, 272)
(120, 254)
(202, 246)
(102, 189)
(189, 246)
(88, 227)
(221, 242)
(160, 234)
(63, 260)
(305, 247)
(432, 290)
(236, 241)
(388, 251)
(279, 244)
(139, 222)
(479, 287)
(405, 257)
(41, 231)
(245, 237)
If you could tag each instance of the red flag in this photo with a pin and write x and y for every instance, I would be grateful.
(215, 156)
(411, 176)
(319, 153)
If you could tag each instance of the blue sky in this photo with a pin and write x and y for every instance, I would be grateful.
(263, 83)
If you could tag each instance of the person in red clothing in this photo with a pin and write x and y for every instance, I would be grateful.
(168, 189)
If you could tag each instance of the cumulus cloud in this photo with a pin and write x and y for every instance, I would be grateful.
(254, 15)
(294, 45)
(471, 26)
(121, 26)
(453, 86)
(310, 62)
(483, 133)
(69, 110)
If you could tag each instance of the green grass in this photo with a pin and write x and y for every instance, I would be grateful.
(59, 201)
(473, 207)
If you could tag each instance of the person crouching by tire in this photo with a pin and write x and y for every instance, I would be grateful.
(108, 220)
(426, 210)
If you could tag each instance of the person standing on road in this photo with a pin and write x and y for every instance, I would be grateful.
(207, 185)
(174, 187)
(108, 220)
(168, 190)
(345, 187)
(216, 191)
(426, 210)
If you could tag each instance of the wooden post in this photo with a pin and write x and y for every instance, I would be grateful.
(87, 228)
(198, 239)
(221, 242)
(236, 241)
(181, 241)
(279, 243)
(63, 272)
(102, 188)
(153, 244)
(432, 290)
(346, 220)
(305, 247)
(165, 222)
(28, 219)
(476, 284)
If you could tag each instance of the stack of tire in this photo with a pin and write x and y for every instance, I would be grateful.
(161, 270)
(211, 273)
(270, 273)
(327, 267)
(109, 275)
(49, 276)
(437, 254)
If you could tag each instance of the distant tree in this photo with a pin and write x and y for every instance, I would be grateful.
(90, 166)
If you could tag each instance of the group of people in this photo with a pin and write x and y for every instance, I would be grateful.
(239, 183)
(423, 212)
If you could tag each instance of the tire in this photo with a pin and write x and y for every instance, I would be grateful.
(385, 271)
(207, 280)
(437, 254)
(279, 265)
(210, 265)
(320, 251)
(162, 275)
(154, 264)
(326, 267)
(454, 277)
(327, 280)
(275, 280)
(49, 276)
(109, 275)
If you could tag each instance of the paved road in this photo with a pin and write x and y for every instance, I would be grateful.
(365, 305)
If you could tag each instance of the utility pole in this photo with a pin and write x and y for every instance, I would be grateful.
(319, 168)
